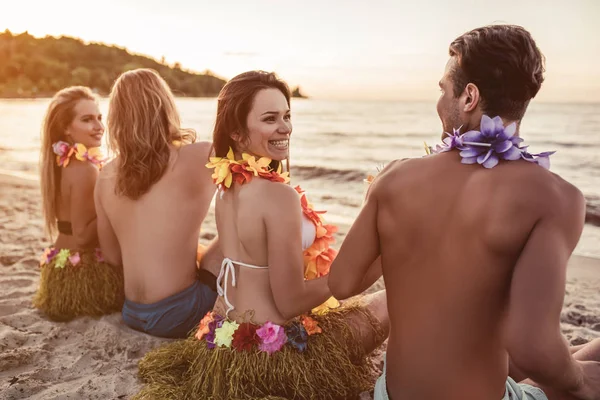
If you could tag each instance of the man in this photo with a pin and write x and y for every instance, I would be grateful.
(474, 259)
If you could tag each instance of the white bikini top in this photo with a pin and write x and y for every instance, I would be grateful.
(309, 234)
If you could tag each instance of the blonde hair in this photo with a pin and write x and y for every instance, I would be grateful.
(142, 123)
(58, 117)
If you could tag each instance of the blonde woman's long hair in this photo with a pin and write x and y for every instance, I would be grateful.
(59, 116)
(143, 122)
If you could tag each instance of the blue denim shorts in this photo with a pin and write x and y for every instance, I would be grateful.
(173, 317)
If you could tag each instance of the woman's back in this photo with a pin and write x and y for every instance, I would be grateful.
(242, 213)
(161, 227)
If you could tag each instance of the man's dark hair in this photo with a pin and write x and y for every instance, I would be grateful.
(504, 62)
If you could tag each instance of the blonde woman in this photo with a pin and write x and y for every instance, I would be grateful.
(151, 200)
(74, 279)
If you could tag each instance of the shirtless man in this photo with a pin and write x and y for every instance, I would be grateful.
(474, 259)
(151, 201)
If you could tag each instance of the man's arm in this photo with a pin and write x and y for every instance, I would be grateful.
(358, 263)
(534, 341)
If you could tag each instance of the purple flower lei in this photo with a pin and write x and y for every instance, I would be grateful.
(492, 143)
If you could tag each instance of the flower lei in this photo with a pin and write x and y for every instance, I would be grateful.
(64, 151)
(63, 255)
(268, 337)
(227, 170)
(488, 146)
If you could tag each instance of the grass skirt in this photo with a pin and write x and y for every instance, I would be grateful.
(333, 366)
(91, 287)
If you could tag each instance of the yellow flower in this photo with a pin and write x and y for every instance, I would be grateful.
(285, 176)
(61, 258)
(427, 148)
(80, 152)
(255, 166)
(224, 334)
(330, 303)
(222, 168)
(94, 153)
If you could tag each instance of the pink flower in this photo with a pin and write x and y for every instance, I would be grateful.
(75, 259)
(60, 148)
(99, 255)
(272, 337)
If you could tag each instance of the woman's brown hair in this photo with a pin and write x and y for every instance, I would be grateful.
(234, 104)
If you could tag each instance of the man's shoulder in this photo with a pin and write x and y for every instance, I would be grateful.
(546, 190)
(390, 176)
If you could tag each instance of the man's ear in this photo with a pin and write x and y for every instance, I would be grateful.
(472, 97)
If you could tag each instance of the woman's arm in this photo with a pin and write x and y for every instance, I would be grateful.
(109, 243)
(283, 220)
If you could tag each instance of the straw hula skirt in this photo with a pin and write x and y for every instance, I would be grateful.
(315, 356)
(78, 283)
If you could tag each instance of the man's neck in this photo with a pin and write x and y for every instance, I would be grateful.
(505, 121)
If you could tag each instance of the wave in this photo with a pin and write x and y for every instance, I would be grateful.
(340, 175)
(592, 212)
(592, 215)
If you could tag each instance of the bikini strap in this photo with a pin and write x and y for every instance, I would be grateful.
(227, 267)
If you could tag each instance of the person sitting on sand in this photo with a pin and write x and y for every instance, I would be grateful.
(474, 241)
(151, 201)
(74, 279)
(262, 340)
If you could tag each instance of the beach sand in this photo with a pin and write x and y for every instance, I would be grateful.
(97, 358)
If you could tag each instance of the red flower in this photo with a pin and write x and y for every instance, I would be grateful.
(245, 337)
(240, 174)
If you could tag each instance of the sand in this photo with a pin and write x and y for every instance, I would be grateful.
(97, 358)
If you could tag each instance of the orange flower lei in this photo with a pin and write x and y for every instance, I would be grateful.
(227, 170)
(319, 256)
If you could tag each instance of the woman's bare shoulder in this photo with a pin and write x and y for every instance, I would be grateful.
(80, 172)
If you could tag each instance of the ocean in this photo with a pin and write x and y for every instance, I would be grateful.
(335, 144)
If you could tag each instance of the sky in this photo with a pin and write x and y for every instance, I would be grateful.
(346, 49)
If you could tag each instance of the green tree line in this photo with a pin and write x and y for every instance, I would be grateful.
(38, 67)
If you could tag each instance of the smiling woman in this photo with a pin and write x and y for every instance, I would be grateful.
(74, 280)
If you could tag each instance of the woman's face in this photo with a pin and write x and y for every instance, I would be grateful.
(87, 127)
(269, 126)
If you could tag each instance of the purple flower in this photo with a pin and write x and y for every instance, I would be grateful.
(217, 322)
(541, 159)
(453, 141)
(51, 254)
(492, 143)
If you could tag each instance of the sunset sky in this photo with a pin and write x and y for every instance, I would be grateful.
(334, 49)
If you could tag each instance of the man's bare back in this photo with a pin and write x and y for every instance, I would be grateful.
(450, 237)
